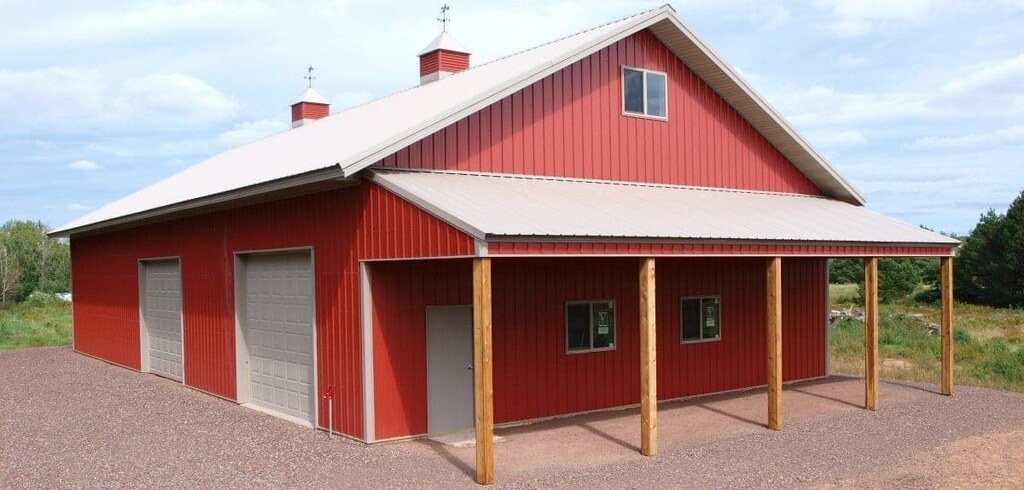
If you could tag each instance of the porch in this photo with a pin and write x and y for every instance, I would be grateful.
(524, 365)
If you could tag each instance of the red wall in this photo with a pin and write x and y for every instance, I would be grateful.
(571, 124)
(342, 226)
(531, 369)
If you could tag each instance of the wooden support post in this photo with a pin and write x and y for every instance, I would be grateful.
(871, 333)
(775, 343)
(946, 273)
(483, 382)
(648, 362)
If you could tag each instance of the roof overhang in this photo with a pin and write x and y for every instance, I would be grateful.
(501, 207)
(309, 182)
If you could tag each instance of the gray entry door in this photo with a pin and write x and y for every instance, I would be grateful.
(279, 332)
(161, 315)
(449, 369)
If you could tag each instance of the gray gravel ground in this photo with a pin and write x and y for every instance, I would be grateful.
(69, 420)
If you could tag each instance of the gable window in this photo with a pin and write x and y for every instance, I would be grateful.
(700, 319)
(644, 93)
(589, 326)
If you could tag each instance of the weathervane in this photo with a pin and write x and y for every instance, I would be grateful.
(444, 19)
(309, 77)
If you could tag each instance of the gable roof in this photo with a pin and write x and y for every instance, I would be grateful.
(490, 206)
(342, 145)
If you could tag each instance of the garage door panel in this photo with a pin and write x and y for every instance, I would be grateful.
(279, 296)
(162, 317)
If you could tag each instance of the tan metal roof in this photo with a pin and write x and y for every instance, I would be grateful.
(489, 206)
(344, 144)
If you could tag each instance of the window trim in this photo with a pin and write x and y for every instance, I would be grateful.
(590, 302)
(701, 340)
(644, 71)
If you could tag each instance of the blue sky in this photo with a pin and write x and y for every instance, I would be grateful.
(920, 103)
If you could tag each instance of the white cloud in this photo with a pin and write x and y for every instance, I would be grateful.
(855, 18)
(174, 95)
(79, 100)
(250, 131)
(850, 61)
(83, 165)
(1009, 71)
(1010, 135)
(826, 105)
(77, 207)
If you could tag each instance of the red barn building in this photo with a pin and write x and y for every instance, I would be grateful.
(608, 219)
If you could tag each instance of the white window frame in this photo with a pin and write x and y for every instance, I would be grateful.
(622, 82)
(701, 340)
(590, 317)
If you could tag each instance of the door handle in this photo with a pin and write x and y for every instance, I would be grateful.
(469, 368)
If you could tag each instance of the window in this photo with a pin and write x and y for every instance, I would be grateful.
(700, 319)
(589, 326)
(644, 93)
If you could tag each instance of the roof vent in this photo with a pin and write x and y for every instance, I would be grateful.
(442, 57)
(309, 107)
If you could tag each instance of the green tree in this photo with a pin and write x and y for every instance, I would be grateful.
(846, 271)
(897, 279)
(10, 273)
(990, 263)
(43, 263)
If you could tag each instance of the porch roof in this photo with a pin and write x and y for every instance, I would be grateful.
(501, 206)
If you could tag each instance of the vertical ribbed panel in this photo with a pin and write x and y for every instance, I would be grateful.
(533, 375)
(342, 226)
(401, 292)
(570, 124)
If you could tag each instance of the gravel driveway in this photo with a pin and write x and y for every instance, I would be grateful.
(69, 420)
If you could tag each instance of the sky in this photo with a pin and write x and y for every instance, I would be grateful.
(919, 103)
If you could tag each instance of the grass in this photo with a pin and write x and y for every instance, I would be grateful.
(988, 343)
(37, 321)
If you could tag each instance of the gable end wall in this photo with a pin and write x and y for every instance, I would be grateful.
(570, 124)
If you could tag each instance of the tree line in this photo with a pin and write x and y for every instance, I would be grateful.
(988, 270)
(30, 261)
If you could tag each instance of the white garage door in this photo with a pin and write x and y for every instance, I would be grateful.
(279, 320)
(162, 317)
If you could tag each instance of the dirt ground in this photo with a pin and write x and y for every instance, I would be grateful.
(69, 420)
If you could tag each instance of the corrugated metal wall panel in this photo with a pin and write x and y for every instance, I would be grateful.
(570, 124)
(401, 292)
(534, 377)
(342, 226)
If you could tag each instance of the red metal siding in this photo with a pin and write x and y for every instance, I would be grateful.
(308, 110)
(534, 377)
(401, 291)
(342, 226)
(711, 249)
(442, 60)
(571, 124)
